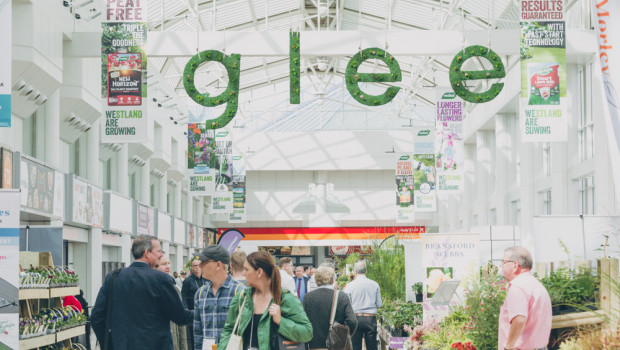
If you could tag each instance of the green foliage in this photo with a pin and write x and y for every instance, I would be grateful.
(387, 268)
(417, 287)
(294, 66)
(566, 288)
(451, 330)
(353, 78)
(457, 76)
(399, 313)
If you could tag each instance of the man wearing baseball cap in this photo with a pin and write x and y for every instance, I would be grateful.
(212, 300)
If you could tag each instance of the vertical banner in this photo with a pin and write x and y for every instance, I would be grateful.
(447, 257)
(222, 199)
(6, 157)
(202, 160)
(543, 113)
(424, 173)
(238, 214)
(449, 146)
(123, 72)
(9, 269)
(5, 64)
(608, 30)
(404, 189)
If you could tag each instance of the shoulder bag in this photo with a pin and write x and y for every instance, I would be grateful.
(235, 342)
(338, 337)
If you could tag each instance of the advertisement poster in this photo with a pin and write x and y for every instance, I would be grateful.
(404, 189)
(543, 112)
(146, 220)
(202, 159)
(7, 168)
(449, 146)
(447, 257)
(123, 72)
(5, 64)
(608, 15)
(87, 205)
(42, 189)
(221, 201)
(9, 269)
(191, 235)
(424, 172)
(238, 213)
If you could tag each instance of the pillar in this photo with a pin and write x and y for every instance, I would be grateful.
(94, 250)
(163, 193)
(503, 146)
(92, 149)
(483, 175)
(145, 183)
(122, 170)
(178, 195)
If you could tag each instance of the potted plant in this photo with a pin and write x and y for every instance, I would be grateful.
(417, 290)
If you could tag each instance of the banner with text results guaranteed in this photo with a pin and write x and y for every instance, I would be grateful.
(424, 172)
(447, 257)
(9, 269)
(202, 160)
(5, 64)
(543, 112)
(449, 145)
(123, 72)
(238, 215)
(404, 189)
(222, 199)
(607, 23)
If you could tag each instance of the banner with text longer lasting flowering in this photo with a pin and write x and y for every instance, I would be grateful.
(404, 189)
(449, 146)
(123, 72)
(543, 113)
(238, 215)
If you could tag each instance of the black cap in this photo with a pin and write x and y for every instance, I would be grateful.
(215, 252)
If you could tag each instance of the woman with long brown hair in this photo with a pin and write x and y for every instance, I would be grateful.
(268, 310)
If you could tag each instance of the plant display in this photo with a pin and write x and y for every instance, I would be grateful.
(566, 287)
(387, 268)
(49, 321)
(417, 288)
(400, 314)
(452, 329)
(414, 341)
(353, 78)
(294, 66)
(230, 96)
(48, 277)
(458, 76)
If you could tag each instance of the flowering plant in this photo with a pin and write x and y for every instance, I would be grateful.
(414, 341)
(463, 346)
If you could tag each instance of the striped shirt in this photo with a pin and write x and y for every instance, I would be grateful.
(210, 311)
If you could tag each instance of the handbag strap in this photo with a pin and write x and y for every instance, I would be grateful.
(239, 315)
(334, 306)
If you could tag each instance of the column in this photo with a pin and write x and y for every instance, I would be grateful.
(163, 193)
(92, 149)
(145, 183)
(165, 246)
(122, 170)
(483, 176)
(190, 207)
(177, 201)
(503, 144)
(93, 262)
(528, 203)
(179, 263)
(469, 190)
(51, 125)
(201, 210)
(559, 179)
(126, 249)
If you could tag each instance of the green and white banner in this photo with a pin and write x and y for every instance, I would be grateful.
(238, 215)
(202, 158)
(424, 173)
(5, 64)
(449, 147)
(123, 72)
(404, 189)
(543, 112)
(222, 199)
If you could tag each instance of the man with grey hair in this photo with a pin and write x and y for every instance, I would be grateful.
(138, 303)
(365, 298)
(525, 316)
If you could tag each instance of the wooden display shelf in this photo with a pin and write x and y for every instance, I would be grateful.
(37, 342)
(64, 291)
(70, 333)
(34, 293)
(578, 319)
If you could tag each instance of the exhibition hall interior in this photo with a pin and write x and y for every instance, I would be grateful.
(423, 137)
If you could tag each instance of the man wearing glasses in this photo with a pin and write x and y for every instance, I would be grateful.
(525, 317)
(190, 286)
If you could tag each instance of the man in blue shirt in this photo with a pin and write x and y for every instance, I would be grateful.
(211, 302)
(301, 282)
(365, 298)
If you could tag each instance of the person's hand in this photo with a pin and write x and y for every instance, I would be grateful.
(276, 313)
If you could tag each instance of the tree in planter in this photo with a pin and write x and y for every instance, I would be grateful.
(417, 290)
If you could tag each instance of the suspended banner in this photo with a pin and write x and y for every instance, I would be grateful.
(543, 112)
(123, 72)
(145, 220)
(202, 159)
(238, 214)
(449, 146)
(9, 269)
(6, 157)
(222, 199)
(424, 173)
(5, 64)
(84, 203)
(43, 189)
(608, 29)
(447, 258)
(404, 189)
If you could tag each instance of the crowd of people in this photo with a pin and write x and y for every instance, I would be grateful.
(247, 302)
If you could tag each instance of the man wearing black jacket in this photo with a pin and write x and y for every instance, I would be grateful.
(144, 301)
(190, 286)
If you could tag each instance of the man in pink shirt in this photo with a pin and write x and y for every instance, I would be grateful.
(525, 317)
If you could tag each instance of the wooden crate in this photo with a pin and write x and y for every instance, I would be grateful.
(37, 342)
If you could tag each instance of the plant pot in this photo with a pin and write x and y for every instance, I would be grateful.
(567, 309)
(555, 310)
(419, 298)
(398, 332)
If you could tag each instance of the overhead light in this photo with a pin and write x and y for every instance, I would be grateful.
(82, 4)
(308, 204)
(27, 90)
(66, 3)
(41, 100)
(34, 95)
(168, 98)
(333, 203)
(94, 15)
(78, 16)
(321, 64)
(71, 117)
(392, 151)
(19, 85)
(172, 105)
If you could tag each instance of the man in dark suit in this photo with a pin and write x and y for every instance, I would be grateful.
(144, 302)
(301, 282)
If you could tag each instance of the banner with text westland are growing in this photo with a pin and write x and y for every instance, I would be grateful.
(123, 72)
(404, 189)
(5, 64)
(542, 111)
(202, 159)
(238, 215)
(449, 146)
